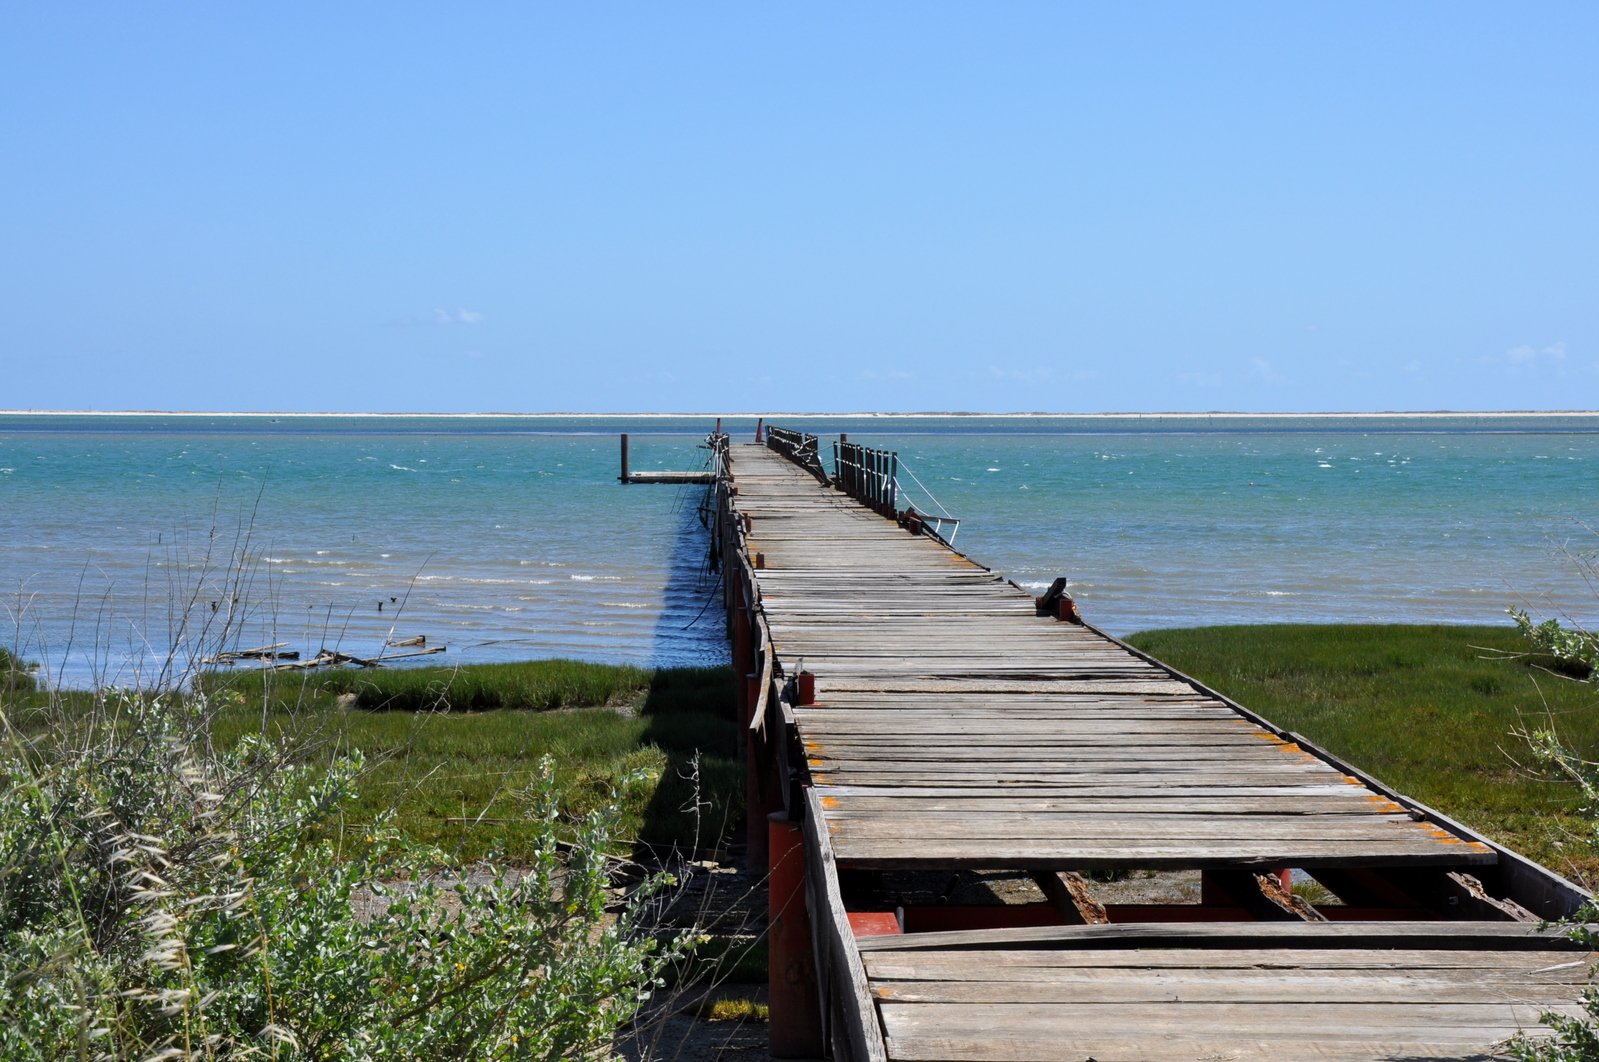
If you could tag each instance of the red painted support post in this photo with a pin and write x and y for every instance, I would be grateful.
(742, 652)
(758, 422)
(795, 1027)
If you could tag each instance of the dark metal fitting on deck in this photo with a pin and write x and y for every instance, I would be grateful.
(760, 562)
(1056, 602)
(804, 689)
(1045, 603)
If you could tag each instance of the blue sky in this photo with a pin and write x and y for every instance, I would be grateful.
(920, 206)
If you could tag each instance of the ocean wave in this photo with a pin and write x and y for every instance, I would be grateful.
(474, 580)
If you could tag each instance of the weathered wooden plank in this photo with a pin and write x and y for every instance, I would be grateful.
(1206, 986)
(1044, 964)
(1231, 1046)
(1458, 1021)
(1135, 854)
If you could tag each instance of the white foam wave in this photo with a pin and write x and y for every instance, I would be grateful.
(471, 580)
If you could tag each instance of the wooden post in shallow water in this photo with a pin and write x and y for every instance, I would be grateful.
(624, 476)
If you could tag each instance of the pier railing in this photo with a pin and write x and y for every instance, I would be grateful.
(869, 476)
(800, 447)
(717, 442)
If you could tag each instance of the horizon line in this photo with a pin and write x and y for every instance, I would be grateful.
(1126, 415)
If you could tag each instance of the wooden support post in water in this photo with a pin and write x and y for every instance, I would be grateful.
(624, 476)
(795, 1027)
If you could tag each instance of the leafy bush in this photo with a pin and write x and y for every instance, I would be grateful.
(1576, 651)
(161, 900)
(1576, 1038)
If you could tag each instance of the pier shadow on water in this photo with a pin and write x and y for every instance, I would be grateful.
(690, 708)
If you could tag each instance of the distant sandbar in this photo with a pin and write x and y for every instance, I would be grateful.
(1212, 415)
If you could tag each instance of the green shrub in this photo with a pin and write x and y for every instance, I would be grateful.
(160, 899)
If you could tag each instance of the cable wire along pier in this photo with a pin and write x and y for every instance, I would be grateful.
(943, 770)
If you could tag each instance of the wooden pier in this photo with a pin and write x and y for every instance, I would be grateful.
(914, 717)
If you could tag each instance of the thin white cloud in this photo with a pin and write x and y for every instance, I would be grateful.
(887, 375)
(461, 317)
(1032, 375)
(1526, 354)
(1529, 360)
(1265, 370)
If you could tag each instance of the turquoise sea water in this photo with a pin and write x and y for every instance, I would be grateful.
(509, 538)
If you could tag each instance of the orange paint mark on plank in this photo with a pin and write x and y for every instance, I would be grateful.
(873, 924)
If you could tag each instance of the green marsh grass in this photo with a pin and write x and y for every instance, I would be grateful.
(1432, 711)
(454, 750)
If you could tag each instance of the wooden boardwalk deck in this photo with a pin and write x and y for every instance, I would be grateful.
(953, 729)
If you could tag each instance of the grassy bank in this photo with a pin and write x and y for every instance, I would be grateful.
(1431, 711)
(454, 750)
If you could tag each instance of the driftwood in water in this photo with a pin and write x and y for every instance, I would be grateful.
(332, 658)
(328, 658)
(264, 652)
(429, 651)
(401, 643)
